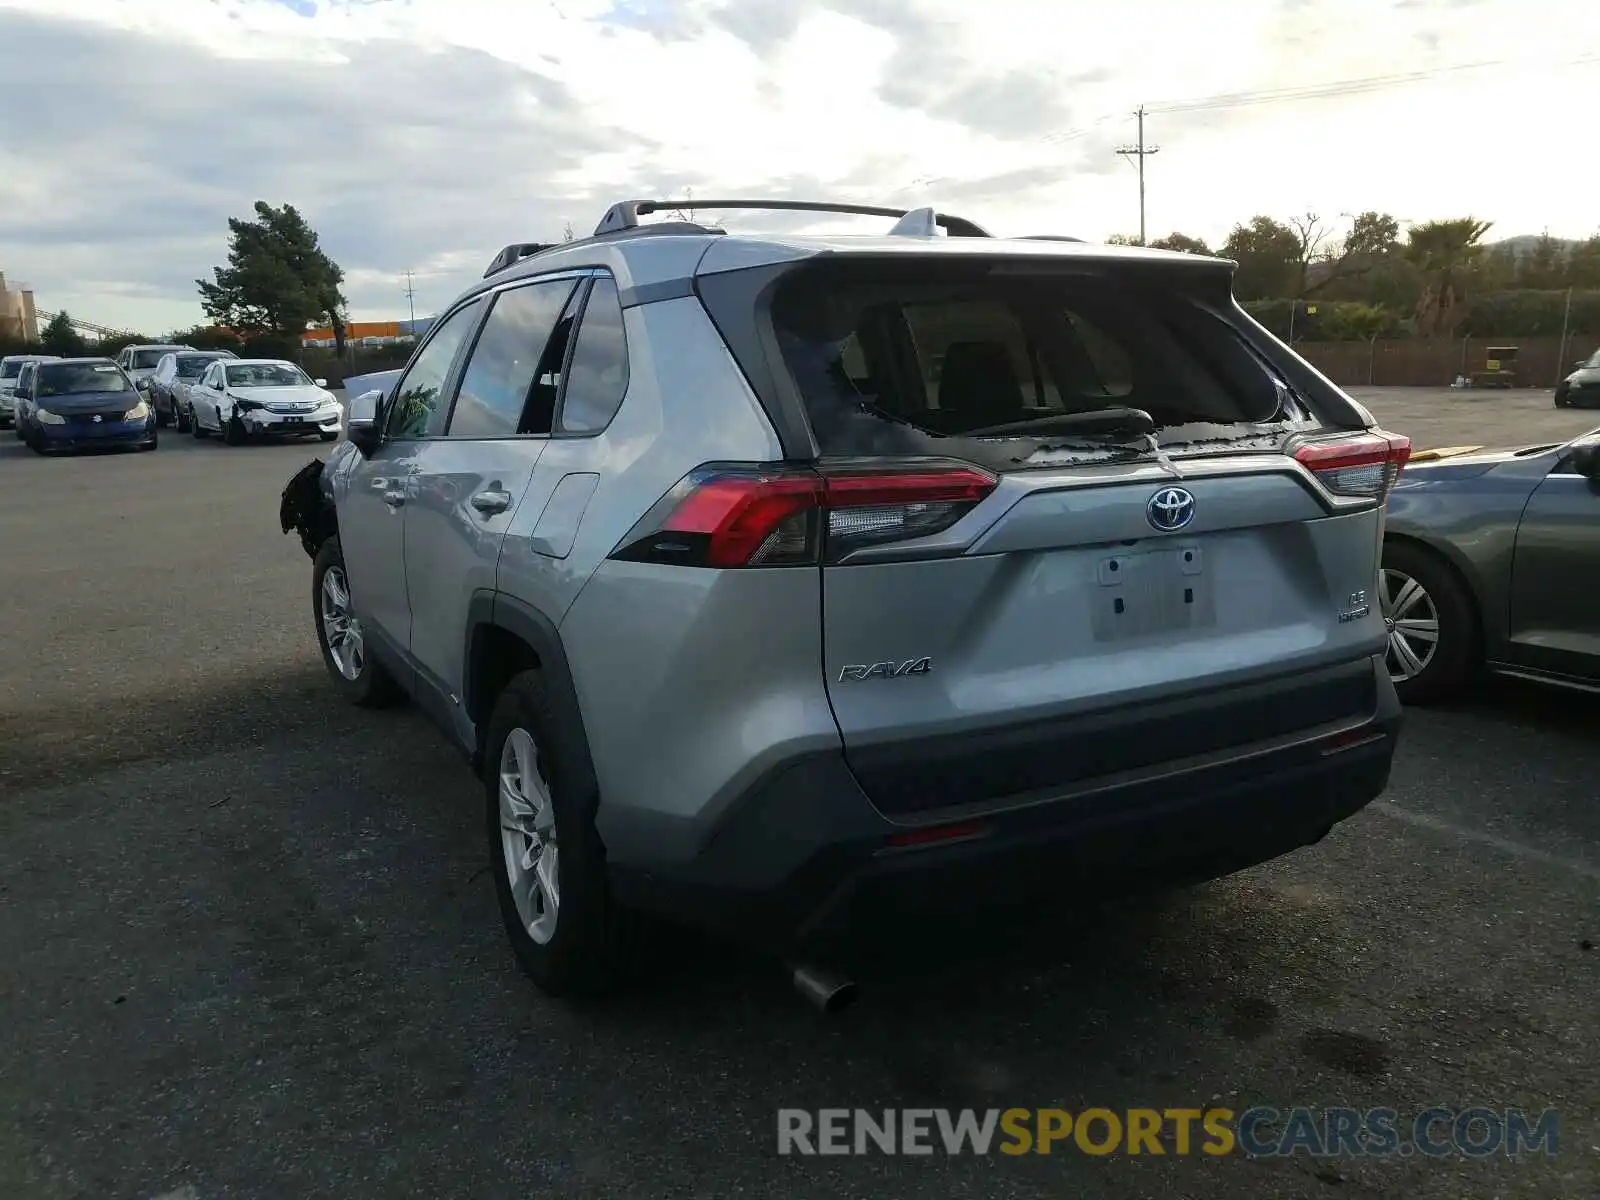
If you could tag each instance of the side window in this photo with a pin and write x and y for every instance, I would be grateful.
(420, 392)
(500, 372)
(541, 412)
(597, 376)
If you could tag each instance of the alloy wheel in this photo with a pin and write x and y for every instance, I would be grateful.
(341, 629)
(528, 837)
(1412, 619)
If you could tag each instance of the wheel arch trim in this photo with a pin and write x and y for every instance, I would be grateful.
(489, 610)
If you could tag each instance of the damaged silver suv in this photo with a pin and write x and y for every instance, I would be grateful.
(775, 583)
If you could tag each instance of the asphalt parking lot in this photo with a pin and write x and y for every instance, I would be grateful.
(249, 948)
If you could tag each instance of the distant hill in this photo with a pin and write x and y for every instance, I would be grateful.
(1523, 245)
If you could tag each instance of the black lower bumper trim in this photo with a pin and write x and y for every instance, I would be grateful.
(1174, 831)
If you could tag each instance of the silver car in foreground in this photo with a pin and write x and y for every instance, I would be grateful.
(1492, 560)
(778, 584)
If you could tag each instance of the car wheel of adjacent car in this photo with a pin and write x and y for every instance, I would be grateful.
(195, 427)
(360, 677)
(1434, 642)
(568, 933)
(329, 437)
(179, 421)
(233, 431)
(1562, 398)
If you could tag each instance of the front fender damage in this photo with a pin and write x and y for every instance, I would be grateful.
(307, 507)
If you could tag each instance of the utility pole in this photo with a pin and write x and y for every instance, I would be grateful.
(1561, 352)
(411, 304)
(1139, 153)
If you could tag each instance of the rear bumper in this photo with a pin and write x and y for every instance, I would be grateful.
(805, 857)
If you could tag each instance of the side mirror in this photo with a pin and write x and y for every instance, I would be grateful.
(1585, 461)
(320, 382)
(361, 421)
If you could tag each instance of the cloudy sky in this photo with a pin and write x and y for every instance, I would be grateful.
(425, 134)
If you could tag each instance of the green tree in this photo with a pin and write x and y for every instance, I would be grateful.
(1545, 267)
(112, 343)
(1583, 264)
(1373, 235)
(205, 337)
(278, 279)
(1181, 241)
(1359, 322)
(61, 339)
(1442, 252)
(1122, 239)
(1268, 253)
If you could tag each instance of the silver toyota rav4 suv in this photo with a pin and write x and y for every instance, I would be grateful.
(775, 584)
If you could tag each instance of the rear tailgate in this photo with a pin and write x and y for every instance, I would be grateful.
(1016, 613)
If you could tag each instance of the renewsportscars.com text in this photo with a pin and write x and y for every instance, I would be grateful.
(1257, 1132)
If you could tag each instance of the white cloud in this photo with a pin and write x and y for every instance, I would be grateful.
(427, 133)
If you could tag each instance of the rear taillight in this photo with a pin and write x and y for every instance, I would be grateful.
(1360, 465)
(739, 515)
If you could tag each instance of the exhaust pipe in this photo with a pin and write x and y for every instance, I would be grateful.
(827, 993)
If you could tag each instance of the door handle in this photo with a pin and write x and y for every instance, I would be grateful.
(491, 502)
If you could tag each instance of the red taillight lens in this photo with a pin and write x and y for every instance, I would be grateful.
(740, 515)
(1364, 464)
(747, 520)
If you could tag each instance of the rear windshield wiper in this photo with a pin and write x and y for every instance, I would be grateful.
(1117, 424)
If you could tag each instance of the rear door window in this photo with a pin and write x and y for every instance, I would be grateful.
(902, 361)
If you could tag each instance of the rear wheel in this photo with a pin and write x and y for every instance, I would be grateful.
(1434, 643)
(358, 676)
(568, 934)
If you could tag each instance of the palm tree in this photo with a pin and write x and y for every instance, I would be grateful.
(1441, 251)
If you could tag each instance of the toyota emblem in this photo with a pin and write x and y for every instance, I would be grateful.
(1170, 509)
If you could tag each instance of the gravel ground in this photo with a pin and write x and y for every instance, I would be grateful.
(248, 947)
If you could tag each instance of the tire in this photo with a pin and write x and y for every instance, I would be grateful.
(1562, 398)
(161, 417)
(195, 427)
(1457, 653)
(178, 421)
(369, 685)
(592, 944)
(233, 432)
(328, 437)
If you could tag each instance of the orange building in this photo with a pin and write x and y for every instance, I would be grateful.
(357, 331)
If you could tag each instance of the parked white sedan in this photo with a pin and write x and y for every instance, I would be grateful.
(247, 398)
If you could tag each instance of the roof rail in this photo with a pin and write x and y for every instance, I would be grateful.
(515, 253)
(1050, 237)
(625, 215)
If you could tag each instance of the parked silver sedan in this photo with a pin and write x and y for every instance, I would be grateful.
(1492, 561)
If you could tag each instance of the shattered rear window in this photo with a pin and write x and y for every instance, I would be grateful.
(950, 360)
